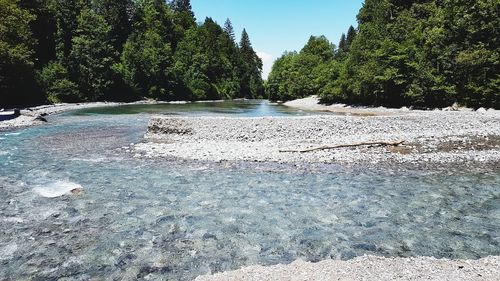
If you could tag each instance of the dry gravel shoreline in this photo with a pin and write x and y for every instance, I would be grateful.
(369, 268)
(430, 137)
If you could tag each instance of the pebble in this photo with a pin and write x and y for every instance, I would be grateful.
(430, 136)
(369, 268)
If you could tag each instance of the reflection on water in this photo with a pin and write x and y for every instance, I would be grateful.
(154, 219)
(243, 108)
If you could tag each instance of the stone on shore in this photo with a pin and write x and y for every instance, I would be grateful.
(429, 137)
(370, 268)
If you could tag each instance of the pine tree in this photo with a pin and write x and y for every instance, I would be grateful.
(245, 44)
(118, 14)
(44, 29)
(147, 58)
(16, 54)
(351, 34)
(67, 12)
(92, 55)
(183, 6)
(183, 18)
(250, 69)
(228, 28)
(342, 44)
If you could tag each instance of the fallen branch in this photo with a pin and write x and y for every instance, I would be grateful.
(325, 147)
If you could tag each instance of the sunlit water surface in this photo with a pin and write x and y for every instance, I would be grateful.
(162, 219)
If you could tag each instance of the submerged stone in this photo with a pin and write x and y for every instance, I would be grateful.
(57, 189)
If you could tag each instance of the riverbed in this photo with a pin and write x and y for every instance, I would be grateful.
(175, 218)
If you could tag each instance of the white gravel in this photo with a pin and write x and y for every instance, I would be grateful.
(370, 268)
(430, 136)
(313, 103)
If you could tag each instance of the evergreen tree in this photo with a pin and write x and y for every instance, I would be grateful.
(87, 50)
(43, 28)
(92, 56)
(184, 20)
(147, 58)
(118, 15)
(250, 68)
(16, 55)
(342, 44)
(183, 6)
(351, 34)
(207, 60)
(66, 12)
(245, 44)
(228, 28)
(191, 65)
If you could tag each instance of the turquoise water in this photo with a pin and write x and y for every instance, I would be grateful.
(243, 108)
(170, 219)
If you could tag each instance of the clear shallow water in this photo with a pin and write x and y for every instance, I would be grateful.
(140, 218)
(243, 108)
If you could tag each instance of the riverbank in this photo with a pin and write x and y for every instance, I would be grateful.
(313, 103)
(369, 268)
(31, 116)
(427, 137)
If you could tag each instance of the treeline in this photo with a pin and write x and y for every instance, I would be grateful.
(94, 50)
(422, 53)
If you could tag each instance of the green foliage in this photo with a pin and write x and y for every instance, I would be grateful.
(424, 53)
(228, 28)
(89, 50)
(66, 15)
(118, 15)
(211, 65)
(250, 68)
(16, 54)
(43, 28)
(91, 56)
(56, 83)
(146, 60)
(297, 75)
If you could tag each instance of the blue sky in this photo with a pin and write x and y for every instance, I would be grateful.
(276, 26)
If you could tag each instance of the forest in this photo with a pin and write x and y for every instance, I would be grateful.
(120, 50)
(419, 53)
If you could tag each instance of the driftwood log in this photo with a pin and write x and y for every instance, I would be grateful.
(325, 147)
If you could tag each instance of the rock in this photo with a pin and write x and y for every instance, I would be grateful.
(57, 189)
(453, 107)
(208, 236)
(169, 126)
(77, 191)
(41, 118)
(481, 110)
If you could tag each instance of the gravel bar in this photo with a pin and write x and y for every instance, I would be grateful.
(470, 137)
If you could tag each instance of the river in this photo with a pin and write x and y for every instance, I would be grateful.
(154, 219)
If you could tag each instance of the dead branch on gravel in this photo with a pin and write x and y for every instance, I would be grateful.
(325, 147)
